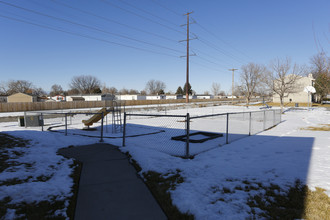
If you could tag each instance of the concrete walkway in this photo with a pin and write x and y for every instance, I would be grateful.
(109, 186)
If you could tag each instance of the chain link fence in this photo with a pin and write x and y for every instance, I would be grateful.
(91, 124)
(178, 135)
(157, 132)
(166, 108)
(186, 136)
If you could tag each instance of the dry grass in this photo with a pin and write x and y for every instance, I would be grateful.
(299, 202)
(160, 185)
(317, 205)
(292, 104)
(322, 127)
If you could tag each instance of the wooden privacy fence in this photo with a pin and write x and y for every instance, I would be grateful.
(39, 106)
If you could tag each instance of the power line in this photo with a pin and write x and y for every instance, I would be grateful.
(217, 37)
(215, 47)
(88, 27)
(140, 16)
(206, 67)
(161, 5)
(207, 55)
(147, 12)
(209, 61)
(113, 21)
(84, 36)
(171, 22)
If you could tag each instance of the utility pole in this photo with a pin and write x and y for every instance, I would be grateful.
(232, 86)
(187, 71)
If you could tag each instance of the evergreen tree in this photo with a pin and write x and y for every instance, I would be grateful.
(179, 91)
(322, 85)
(189, 89)
(97, 90)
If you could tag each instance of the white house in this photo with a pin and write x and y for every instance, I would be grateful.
(299, 95)
(220, 97)
(58, 98)
(156, 97)
(204, 96)
(92, 97)
(190, 97)
(74, 98)
(174, 96)
(130, 97)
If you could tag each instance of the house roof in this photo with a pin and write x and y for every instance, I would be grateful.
(21, 94)
(78, 98)
(80, 95)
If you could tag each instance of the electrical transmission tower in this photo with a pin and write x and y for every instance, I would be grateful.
(232, 86)
(187, 71)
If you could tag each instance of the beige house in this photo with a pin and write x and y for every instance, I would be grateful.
(21, 97)
(299, 95)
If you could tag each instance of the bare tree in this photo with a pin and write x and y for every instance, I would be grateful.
(105, 89)
(320, 64)
(56, 90)
(133, 92)
(85, 84)
(154, 86)
(39, 92)
(3, 88)
(251, 76)
(222, 93)
(282, 79)
(238, 90)
(72, 92)
(215, 88)
(321, 72)
(109, 90)
(15, 86)
(113, 90)
(123, 91)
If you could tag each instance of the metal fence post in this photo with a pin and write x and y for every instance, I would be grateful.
(250, 119)
(227, 128)
(42, 120)
(187, 133)
(264, 121)
(25, 120)
(101, 140)
(124, 130)
(66, 124)
(106, 123)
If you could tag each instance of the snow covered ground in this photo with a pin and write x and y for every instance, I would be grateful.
(276, 156)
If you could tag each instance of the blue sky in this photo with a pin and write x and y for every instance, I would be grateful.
(50, 41)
